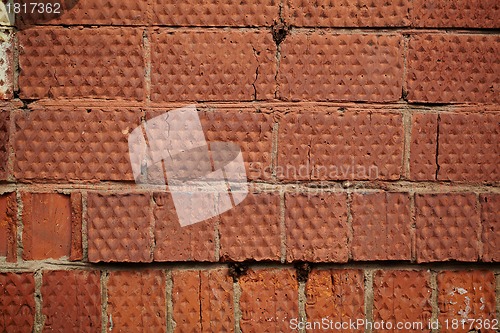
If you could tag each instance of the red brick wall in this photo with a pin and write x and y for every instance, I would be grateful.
(370, 132)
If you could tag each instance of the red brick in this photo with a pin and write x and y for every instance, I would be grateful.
(4, 143)
(269, 300)
(447, 227)
(76, 252)
(6, 64)
(17, 302)
(137, 301)
(423, 146)
(60, 62)
(8, 226)
(203, 301)
(119, 227)
(341, 14)
(468, 147)
(340, 146)
(347, 67)
(465, 295)
(316, 227)
(49, 230)
(71, 301)
(335, 294)
(212, 65)
(251, 229)
(402, 296)
(490, 219)
(453, 68)
(381, 226)
(456, 14)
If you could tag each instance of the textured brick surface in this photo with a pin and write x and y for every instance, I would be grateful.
(215, 13)
(6, 64)
(67, 143)
(466, 295)
(136, 301)
(81, 62)
(357, 67)
(468, 147)
(340, 146)
(251, 229)
(269, 300)
(4, 143)
(212, 65)
(316, 227)
(119, 227)
(71, 301)
(448, 68)
(447, 227)
(490, 219)
(17, 302)
(402, 296)
(423, 146)
(8, 226)
(336, 294)
(381, 226)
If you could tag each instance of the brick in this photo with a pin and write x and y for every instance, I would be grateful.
(17, 302)
(73, 143)
(402, 296)
(137, 301)
(345, 67)
(465, 295)
(119, 227)
(4, 143)
(335, 294)
(347, 13)
(423, 146)
(71, 301)
(490, 220)
(251, 229)
(269, 300)
(456, 14)
(340, 146)
(49, 229)
(316, 227)
(381, 226)
(59, 62)
(8, 226)
(6, 64)
(468, 147)
(453, 68)
(202, 301)
(447, 227)
(212, 65)
(215, 13)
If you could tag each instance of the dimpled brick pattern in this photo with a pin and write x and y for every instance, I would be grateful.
(71, 301)
(357, 67)
(268, 300)
(446, 68)
(340, 146)
(73, 143)
(447, 227)
(456, 13)
(81, 62)
(6, 64)
(491, 226)
(347, 13)
(17, 302)
(402, 296)
(336, 294)
(423, 146)
(381, 226)
(119, 227)
(4, 142)
(212, 65)
(8, 226)
(215, 13)
(468, 147)
(316, 227)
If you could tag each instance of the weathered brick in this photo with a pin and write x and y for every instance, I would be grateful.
(269, 300)
(71, 301)
(17, 302)
(381, 226)
(490, 219)
(212, 65)
(316, 227)
(8, 226)
(4, 142)
(423, 147)
(6, 64)
(453, 68)
(137, 301)
(447, 227)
